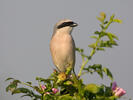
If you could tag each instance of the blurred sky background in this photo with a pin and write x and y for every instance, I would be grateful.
(26, 27)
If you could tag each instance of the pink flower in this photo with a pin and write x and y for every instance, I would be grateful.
(120, 92)
(114, 85)
(55, 90)
(43, 87)
(117, 90)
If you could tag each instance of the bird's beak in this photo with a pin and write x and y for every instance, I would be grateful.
(74, 25)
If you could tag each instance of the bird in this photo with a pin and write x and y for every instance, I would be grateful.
(62, 45)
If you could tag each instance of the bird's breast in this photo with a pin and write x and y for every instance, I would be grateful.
(62, 45)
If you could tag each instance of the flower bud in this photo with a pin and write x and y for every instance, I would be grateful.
(43, 87)
(55, 90)
(117, 90)
(62, 76)
(114, 85)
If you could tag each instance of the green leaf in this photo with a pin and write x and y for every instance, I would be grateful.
(21, 90)
(38, 89)
(100, 49)
(26, 95)
(97, 68)
(110, 37)
(113, 35)
(108, 73)
(105, 22)
(107, 43)
(65, 97)
(43, 80)
(102, 34)
(48, 97)
(94, 37)
(80, 50)
(29, 83)
(11, 87)
(97, 32)
(9, 79)
(16, 81)
(93, 88)
(117, 21)
(113, 43)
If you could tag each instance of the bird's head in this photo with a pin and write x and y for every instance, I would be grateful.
(65, 25)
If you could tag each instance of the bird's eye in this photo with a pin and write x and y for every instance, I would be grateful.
(65, 24)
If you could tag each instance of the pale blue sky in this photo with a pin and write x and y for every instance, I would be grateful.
(26, 27)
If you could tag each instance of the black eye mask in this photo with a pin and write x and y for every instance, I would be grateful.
(65, 24)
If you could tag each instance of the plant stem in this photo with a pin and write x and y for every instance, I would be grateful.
(82, 67)
(106, 27)
(42, 97)
(85, 62)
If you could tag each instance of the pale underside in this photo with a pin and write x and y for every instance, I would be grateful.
(62, 49)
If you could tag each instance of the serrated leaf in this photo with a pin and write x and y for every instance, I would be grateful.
(93, 88)
(117, 21)
(110, 36)
(113, 35)
(9, 79)
(108, 73)
(108, 44)
(21, 90)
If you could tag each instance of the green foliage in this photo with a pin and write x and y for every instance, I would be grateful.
(67, 86)
(99, 70)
